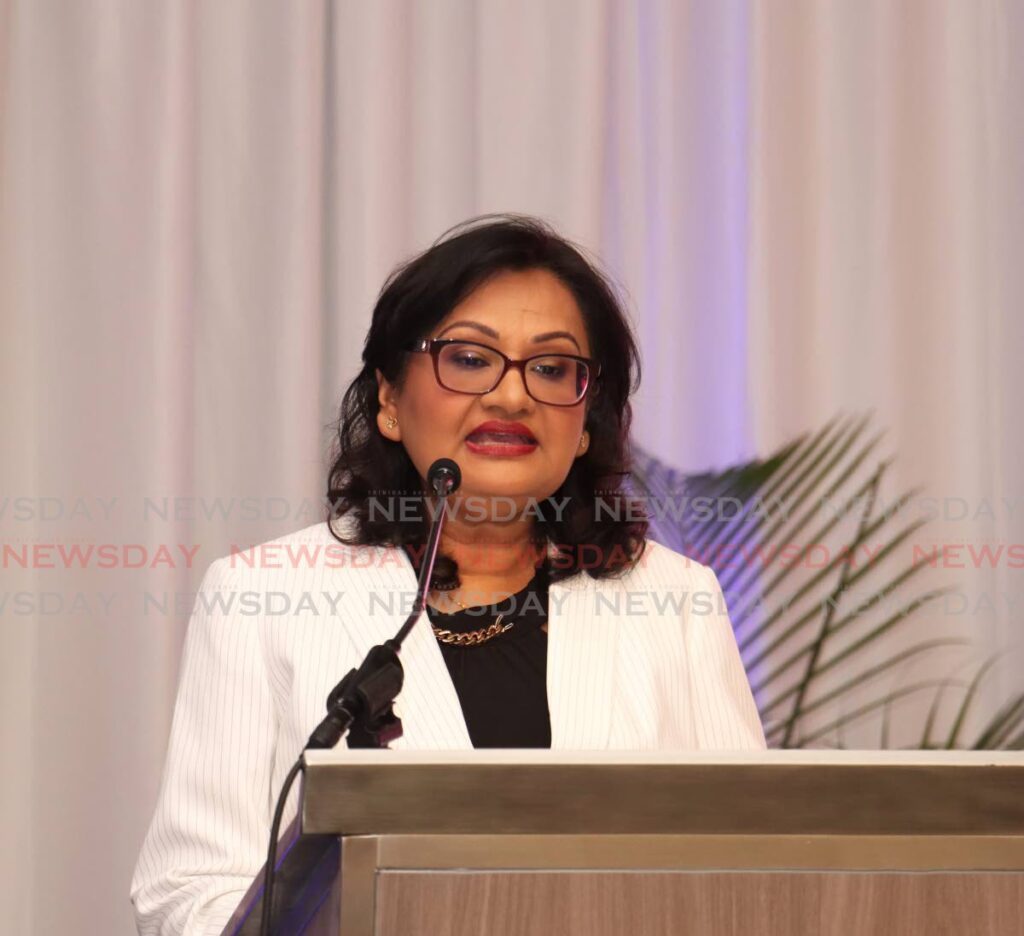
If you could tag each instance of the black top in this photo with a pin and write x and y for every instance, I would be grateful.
(502, 684)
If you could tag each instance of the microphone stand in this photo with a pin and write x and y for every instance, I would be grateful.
(363, 702)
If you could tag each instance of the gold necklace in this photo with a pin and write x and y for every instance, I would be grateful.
(472, 638)
(459, 603)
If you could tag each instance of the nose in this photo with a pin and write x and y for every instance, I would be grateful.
(510, 393)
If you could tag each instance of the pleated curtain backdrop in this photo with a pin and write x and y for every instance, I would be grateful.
(810, 206)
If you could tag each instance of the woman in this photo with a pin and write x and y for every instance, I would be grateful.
(552, 620)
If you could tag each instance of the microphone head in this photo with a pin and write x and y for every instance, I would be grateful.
(444, 477)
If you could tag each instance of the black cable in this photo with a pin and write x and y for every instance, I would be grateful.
(275, 827)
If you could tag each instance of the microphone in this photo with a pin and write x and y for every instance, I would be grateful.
(361, 703)
(444, 477)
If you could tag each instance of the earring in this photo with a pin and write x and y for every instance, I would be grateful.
(391, 422)
(583, 440)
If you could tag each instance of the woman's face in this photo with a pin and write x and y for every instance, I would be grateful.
(508, 312)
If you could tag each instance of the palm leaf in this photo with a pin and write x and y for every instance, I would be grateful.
(972, 690)
(1007, 720)
(804, 657)
(867, 709)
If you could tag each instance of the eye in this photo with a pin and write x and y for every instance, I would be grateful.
(551, 368)
(468, 357)
(469, 360)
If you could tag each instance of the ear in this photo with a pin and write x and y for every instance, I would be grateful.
(388, 412)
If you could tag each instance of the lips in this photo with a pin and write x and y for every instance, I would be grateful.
(500, 433)
(501, 440)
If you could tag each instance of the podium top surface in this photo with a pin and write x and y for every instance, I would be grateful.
(522, 757)
(686, 792)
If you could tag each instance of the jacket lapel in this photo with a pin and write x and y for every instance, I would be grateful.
(581, 659)
(581, 664)
(428, 704)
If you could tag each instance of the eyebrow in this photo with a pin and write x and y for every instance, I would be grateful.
(490, 332)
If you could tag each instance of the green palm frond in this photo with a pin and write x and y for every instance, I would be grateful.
(999, 731)
(816, 635)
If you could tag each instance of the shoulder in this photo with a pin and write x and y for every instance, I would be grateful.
(316, 534)
(661, 566)
(662, 587)
(283, 560)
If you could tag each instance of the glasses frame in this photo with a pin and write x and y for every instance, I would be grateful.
(434, 346)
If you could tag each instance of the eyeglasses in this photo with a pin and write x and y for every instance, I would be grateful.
(471, 367)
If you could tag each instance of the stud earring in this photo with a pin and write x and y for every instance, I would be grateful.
(391, 422)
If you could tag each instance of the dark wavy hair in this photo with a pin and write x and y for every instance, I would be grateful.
(414, 299)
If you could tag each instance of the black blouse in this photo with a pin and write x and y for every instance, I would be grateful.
(502, 684)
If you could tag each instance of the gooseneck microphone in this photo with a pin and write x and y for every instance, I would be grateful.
(362, 703)
(444, 477)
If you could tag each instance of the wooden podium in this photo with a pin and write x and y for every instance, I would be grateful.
(402, 843)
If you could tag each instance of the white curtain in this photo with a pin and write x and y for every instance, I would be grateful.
(811, 205)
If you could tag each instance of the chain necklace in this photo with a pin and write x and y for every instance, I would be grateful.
(472, 638)
(459, 603)
(454, 600)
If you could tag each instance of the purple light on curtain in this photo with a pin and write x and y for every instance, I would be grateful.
(678, 183)
(676, 220)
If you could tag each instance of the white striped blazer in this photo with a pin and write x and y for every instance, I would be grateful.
(643, 662)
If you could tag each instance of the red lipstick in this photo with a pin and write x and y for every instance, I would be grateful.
(496, 437)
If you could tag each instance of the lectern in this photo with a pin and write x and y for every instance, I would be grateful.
(399, 843)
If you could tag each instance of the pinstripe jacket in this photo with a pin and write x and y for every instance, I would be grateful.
(643, 662)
